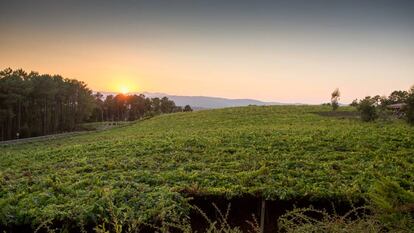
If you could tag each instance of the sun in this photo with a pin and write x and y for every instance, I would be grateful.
(124, 90)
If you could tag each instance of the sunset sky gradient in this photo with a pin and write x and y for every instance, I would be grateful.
(285, 51)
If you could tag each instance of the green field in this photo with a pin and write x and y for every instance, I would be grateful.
(146, 170)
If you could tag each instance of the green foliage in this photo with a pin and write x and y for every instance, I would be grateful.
(389, 209)
(368, 109)
(394, 205)
(390, 197)
(399, 104)
(397, 97)
(32, 104)
(144, 171)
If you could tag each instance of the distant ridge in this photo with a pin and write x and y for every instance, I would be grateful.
(204, 102)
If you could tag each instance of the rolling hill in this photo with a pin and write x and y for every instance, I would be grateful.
(146, 172)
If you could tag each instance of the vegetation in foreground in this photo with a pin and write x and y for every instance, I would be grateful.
(144, 173)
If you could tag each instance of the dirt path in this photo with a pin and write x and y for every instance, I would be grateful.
(42, 138)
(102, 127)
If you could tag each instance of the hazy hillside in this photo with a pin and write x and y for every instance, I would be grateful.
(205, 102)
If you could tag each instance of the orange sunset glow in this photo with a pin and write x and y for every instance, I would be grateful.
(236, 53)
(124, 90)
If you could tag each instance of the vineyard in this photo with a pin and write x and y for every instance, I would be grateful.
(148, 171)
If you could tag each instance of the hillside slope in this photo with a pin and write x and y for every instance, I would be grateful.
(146, 170)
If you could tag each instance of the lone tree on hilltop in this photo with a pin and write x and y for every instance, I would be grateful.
(335, 98)
(188, 108)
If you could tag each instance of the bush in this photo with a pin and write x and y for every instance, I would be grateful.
(390, 208)
(368, 110)
(187, 108)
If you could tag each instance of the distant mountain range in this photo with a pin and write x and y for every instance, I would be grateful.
(204, 102)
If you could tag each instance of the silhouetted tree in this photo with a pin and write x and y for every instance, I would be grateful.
(188, 108)
(131, 107)
(397, 97)
(33, 104)
(98, 112)
(167, 106)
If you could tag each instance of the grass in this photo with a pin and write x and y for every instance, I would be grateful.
(144, 172)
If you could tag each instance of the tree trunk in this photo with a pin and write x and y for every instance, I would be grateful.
(19, 116)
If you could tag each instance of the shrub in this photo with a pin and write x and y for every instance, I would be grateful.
(188, 108)
(390, 208)
(311, 220)
(368, 110)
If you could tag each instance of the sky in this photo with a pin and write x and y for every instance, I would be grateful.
(285, 51)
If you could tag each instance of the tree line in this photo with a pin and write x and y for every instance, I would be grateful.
(131, 107)
(33, 104)
(398, 104)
